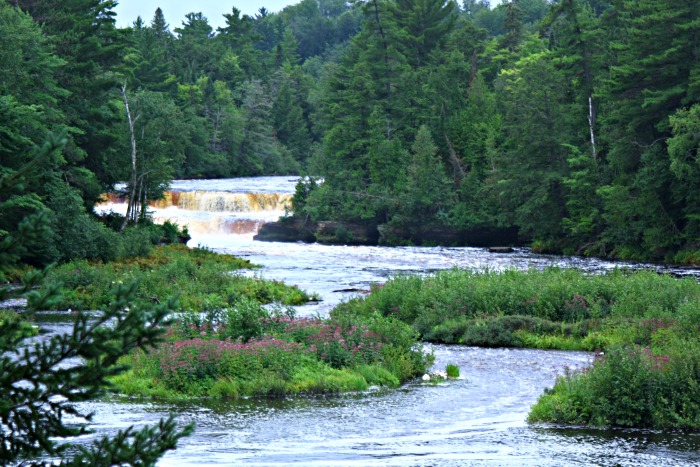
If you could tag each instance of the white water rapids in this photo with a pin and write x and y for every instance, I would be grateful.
(476, 420)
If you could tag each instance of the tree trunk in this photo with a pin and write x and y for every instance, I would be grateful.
(131, 206)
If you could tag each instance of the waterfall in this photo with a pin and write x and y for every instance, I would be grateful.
(212, 201)
(207, 212)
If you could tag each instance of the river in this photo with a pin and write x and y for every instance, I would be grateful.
(478, 419)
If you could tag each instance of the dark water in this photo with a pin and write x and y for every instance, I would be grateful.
(478, 419)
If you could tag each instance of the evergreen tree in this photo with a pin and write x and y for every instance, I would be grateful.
(288, 121)
(196, 52)
(684, 152)
(514, 27)
(84, 35)
(259, 152)
(651, 78)
(424, 192)
(535, 128)
(424, 26)
(578, 42)
(149, 60)
(40, 382)
(239, 37)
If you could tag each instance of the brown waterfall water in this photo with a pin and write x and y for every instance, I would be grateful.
(476, 420)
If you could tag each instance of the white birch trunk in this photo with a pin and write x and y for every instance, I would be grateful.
(591, 125)
(131, 206)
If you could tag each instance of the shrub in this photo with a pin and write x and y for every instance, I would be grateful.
(452, 370)
(502, 308)
(274, 353)
(629, 386)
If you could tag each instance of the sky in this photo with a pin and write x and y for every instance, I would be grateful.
(175, 11)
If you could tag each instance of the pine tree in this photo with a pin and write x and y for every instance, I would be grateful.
(84, 36)
(651, 78)
(424, 24)
(513, 25)
(424, 192)
(196, 51)
(40, 382)
(239, 36)
(149, 60)
(259, 151)
(536, 127)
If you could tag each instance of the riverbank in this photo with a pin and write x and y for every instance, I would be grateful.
(643, 326)
(236, 335)
(235, 347)
(296, 229)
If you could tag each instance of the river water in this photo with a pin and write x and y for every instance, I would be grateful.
(478, 419)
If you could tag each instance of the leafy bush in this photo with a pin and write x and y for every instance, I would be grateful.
(629, 386)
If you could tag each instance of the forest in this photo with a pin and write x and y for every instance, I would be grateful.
(572, 126)
(575, 123)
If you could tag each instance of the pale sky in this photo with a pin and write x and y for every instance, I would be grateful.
(175, 11)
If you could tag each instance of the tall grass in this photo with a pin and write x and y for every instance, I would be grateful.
(248, 350)
(202, 280)
(518, 308)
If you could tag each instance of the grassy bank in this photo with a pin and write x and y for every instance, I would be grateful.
(555, 308)
(225, 343)
(247, 350)
(232, 336)
(644, 327)
(226, 340)
(655, 386)
(202, 280)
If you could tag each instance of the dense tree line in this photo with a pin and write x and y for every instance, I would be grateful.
(145, 104)
(573, 121)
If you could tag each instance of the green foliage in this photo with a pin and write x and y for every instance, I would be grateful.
(41, 381)
(452, 370)
(629, 386)
(545, 117)
(203, 280)
(13, 323)
(77, 235)
(423, 192)
(553, 308)
(248, 350)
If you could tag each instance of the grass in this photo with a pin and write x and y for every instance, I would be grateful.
(647, 325)
(452, 370)
(250, 350)
(554, 308)
(225, 343)
(202, 280)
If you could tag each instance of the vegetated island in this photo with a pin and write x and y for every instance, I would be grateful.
(234, 336)
(226, 341)
(643, 327)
